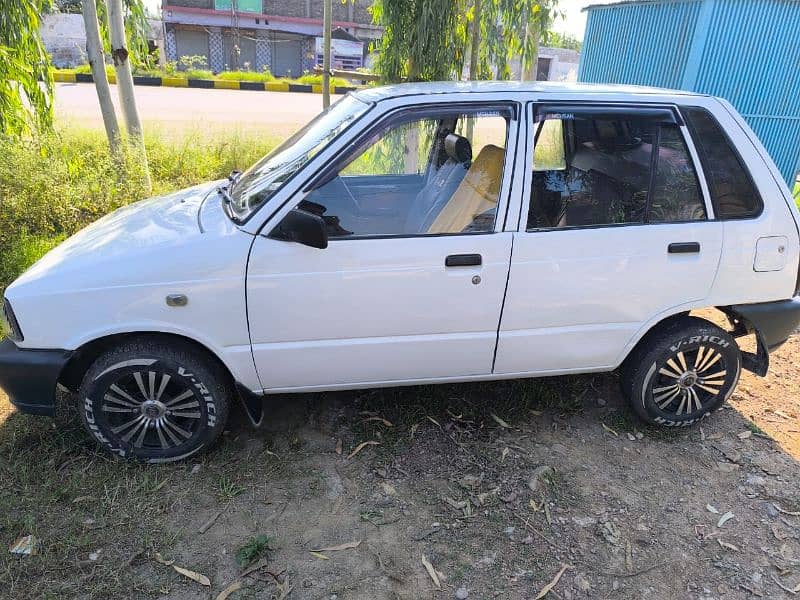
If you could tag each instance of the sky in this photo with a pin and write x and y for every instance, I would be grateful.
(573, 23)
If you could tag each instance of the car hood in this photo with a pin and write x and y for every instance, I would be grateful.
(157, 228)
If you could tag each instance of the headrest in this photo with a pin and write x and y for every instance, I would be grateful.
(458, 148)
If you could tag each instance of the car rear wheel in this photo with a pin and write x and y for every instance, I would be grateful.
(155, 400)
(682, 373)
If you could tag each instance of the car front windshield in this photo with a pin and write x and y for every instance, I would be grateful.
(261, 181)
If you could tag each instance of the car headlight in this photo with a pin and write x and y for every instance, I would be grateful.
(9, 328)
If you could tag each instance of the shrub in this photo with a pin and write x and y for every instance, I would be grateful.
(264, 75)
(314, 79)
(52, 186)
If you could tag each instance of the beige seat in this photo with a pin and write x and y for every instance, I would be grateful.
(477, 193)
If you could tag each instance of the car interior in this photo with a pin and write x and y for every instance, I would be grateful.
(449, 188)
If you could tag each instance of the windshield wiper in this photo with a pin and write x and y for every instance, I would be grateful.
(232, 179)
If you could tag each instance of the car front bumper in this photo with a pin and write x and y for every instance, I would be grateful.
(29, 377)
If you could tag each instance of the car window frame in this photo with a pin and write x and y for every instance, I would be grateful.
(395, 116)
(609, 107)
(736, 153)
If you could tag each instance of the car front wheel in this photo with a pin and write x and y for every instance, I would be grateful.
(682, 373)
(155, 400)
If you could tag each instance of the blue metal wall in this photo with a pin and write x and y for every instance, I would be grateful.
(747, 51)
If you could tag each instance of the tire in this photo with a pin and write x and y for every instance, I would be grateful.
(155, 400)
(682, 373)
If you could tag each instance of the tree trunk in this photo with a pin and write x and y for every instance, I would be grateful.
(94, 51)
(326, 55)
(476, 41)
(122, 66)
(529, 67)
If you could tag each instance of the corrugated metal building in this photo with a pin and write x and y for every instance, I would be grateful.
(747, 51)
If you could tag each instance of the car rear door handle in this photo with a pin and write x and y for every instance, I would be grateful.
(684, 248)
(463, 260)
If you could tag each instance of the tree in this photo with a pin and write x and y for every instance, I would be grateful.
(94, 51)
(24, 105)
(425, 39)
(564, 40)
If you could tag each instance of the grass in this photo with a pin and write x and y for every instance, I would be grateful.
(256, 547)
(55, 185)
(797, 194)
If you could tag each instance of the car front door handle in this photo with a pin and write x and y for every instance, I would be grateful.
(684, 248)
(463, 260)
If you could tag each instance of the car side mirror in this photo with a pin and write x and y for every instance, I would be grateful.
(302, 227)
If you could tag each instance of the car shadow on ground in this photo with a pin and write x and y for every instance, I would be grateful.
(500, 486)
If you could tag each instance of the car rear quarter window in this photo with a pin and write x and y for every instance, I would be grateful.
(733, 193)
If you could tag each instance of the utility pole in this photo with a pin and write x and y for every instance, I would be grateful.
(326, 55)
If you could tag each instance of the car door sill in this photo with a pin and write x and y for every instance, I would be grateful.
(458, 379)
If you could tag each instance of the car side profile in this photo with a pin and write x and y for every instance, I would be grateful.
(424, 233)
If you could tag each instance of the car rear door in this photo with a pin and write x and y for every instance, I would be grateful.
(618, 230)
(393, 298)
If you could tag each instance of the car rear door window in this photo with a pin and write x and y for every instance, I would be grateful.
(733, 193)
(592, 169)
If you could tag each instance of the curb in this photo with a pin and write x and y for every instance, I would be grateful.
(217, 84)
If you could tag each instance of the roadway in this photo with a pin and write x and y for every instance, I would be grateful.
(178, 110)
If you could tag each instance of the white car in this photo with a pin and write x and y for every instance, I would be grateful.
(424, 233)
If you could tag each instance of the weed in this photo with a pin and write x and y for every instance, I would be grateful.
(256, 547)
(756, 429)
(228, 489)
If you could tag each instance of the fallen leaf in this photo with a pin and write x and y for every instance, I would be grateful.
(193, 575)
(339, 446)
(432, 572)
(628, 556)
(503, 455)
(724, 544)
(716, 436)
(546, 589)
(380, 419)
(793, 590)
(27, 545)
(434, 421)
(631, 437)
(361, 446)
(609, 430)
(319, 555)
(702, 435)
(346, 546)
(724, 519)
(786, 512)
(235, 586)
(159, 559)
(535, 413)
(744, 435)
(712, 509)
(500, 421)
(82, 499)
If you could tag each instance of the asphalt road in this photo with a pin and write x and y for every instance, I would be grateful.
(176, 110)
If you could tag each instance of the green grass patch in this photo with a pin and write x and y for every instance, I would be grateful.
(256, 547)
(311, 79)
(797, 194)
(54, 185)
(263, 76)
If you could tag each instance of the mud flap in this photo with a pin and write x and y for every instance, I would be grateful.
(253, 405)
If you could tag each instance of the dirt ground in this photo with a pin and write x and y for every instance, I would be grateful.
(499, 488)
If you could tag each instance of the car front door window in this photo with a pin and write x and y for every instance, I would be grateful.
(418, 176)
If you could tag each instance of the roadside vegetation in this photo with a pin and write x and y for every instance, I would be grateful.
(55, 184)
(195, 67)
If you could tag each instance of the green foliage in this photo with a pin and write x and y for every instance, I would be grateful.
(25, 105)
(55, 185)
(564, 40)
(425, 40)
(255, 548)
(265, 75)
(312, 79)
(797, 194)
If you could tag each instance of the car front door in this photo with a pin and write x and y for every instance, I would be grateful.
(412, 282)
(619, 232)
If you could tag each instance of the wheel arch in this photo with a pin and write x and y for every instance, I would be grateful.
(84, 356)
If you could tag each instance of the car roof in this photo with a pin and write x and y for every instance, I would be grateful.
(376, 94)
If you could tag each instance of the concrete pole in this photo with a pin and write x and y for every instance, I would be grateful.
(326, 55)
